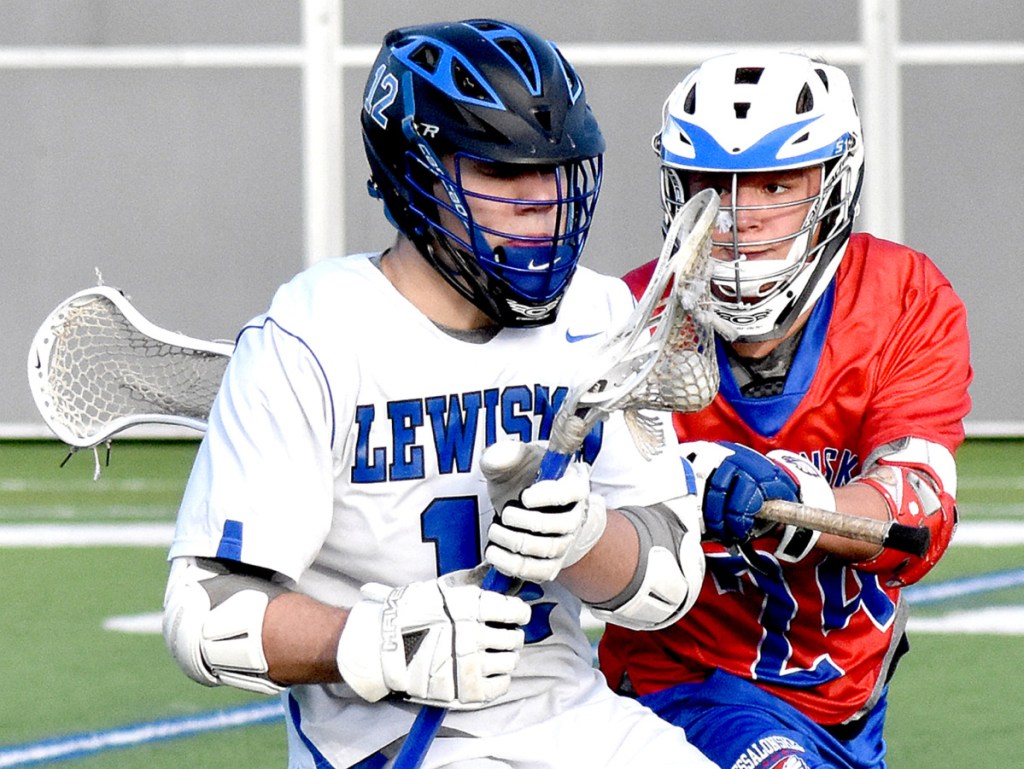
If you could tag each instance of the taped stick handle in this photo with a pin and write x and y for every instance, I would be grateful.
(429, 718)
(906, 539)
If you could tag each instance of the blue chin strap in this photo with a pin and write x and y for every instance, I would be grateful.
(538, 274)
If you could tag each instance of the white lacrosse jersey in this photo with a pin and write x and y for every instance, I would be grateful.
(343, 448)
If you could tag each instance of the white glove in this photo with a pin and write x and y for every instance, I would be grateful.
(546, 526)
(445, 642)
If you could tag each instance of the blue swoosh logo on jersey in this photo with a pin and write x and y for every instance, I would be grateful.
(571, 338)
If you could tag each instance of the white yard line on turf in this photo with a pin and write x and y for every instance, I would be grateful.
(989, 533)
(86, 534)
(975, 533)
(994, 620)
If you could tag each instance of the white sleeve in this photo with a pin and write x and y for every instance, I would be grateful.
(261, 489)
(623, 476)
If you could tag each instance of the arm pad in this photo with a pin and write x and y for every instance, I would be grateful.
(670, 569)
(917, 478)
(213, 623)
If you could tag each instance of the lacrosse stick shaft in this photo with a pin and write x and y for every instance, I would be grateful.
(422, 733)
(906, 539)
(429, 718)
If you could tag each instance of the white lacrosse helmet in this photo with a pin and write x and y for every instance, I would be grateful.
(756, 111)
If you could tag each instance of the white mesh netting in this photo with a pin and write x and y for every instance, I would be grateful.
(96, 370)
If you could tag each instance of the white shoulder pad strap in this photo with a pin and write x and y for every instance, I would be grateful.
(671, 568)
(213, 624)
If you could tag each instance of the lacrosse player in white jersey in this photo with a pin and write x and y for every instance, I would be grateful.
(342, 496)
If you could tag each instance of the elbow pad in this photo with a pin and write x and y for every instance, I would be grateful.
(917, 480)
(213, 624)
(670, 569)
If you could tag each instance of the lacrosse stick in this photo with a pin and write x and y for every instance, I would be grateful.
(97, 367)
(662, 358)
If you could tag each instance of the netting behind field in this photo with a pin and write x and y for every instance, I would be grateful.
(97, 370)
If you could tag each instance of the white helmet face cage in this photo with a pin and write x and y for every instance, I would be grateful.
(746, 113)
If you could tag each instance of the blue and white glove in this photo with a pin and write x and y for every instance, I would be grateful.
(538, 528)
(734, 482)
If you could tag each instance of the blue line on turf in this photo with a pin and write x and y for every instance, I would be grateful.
(921, 595)
(89, 743)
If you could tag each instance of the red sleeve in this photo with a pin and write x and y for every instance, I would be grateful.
(924, 368)
(638, 278)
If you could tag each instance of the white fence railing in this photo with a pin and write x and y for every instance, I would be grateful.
(323, 59)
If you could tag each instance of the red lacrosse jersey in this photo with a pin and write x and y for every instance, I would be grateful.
(884, 355)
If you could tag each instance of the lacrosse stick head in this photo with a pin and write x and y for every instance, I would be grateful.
(663, 357)
(97, 366)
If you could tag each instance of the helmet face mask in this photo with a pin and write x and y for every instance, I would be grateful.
(522, 250)
(745, 121)
(449, 104)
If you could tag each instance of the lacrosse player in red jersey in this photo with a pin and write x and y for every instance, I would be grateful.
(342, 496)
(844, 367)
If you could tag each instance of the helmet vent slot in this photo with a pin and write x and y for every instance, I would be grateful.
(570, 74)
(427, 56)
(467, 83)
(543, 117)
(742, 108)
(748, 75)
(690, 102)
(518, 54)
(805, 101)
(824, 77)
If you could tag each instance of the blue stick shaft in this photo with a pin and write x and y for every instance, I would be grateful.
(428, 720)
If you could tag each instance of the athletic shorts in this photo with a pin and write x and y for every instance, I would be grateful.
(739, 726)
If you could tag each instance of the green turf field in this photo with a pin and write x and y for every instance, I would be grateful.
(73, 685)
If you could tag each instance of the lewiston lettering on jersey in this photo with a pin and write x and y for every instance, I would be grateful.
(819, 634)
(452, 425)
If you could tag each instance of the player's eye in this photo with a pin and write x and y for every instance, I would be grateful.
(699, 184)
(499, 170)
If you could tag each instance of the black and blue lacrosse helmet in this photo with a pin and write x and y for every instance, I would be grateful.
(495, 93)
